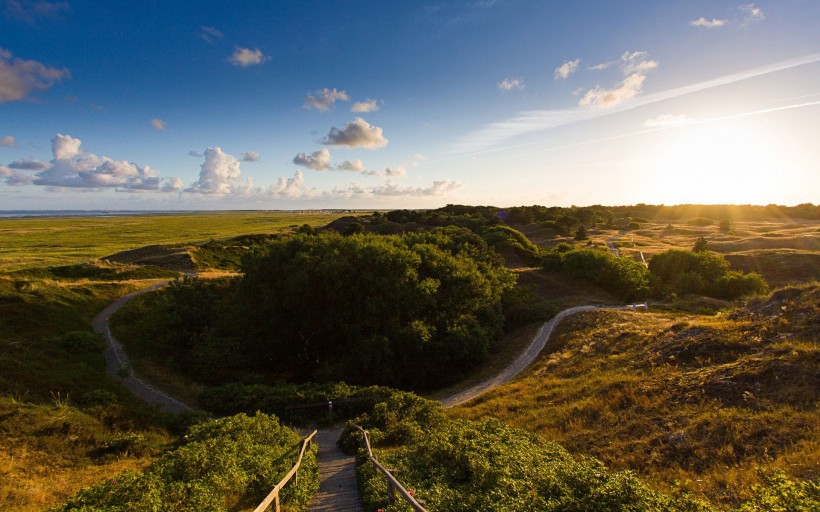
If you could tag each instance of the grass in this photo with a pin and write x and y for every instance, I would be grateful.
(694, 402)
(45, 242)
(48, 452)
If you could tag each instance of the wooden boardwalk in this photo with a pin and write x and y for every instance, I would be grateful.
(338, 490)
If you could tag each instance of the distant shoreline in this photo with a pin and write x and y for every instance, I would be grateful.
(20, 214)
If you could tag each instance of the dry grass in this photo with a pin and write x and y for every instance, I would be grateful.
(49, 452)
(684, 400)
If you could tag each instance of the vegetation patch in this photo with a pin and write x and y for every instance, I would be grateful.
(219, 465)
(699, 403)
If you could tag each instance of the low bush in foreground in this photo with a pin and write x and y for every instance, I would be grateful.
(457, 465)
(220, 465)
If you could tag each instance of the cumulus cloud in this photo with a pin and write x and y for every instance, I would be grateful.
(351, 165)
(291, 188)
(210, 34)
(356, 134)
(244, 57)
(666, 120)
(13, 178)
(706, 23)
(318, 160)
(8, 142)
(28, 11)
(250, 156)
(172, 184)
(158, 124)
(508, 84)
(324, 99)
(29, 165)
(219, 174)
(567, 68)
(365, 106)
(19, 77)
(72, 167)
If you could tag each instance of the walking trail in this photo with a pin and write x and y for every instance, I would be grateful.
(338, 489)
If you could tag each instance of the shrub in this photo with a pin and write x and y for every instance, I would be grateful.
(219, 464)
(622, 276)
(82, 342)
(704, 272)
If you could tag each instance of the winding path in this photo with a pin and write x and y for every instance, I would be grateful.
(338, 489)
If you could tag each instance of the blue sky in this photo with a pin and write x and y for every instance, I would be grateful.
(308, 104)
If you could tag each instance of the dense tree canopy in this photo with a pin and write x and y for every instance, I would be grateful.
(414, 310)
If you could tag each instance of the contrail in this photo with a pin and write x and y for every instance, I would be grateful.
(482, 140)
(670, 127)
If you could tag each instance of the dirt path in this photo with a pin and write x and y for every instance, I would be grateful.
(118, 364)
(338, 489)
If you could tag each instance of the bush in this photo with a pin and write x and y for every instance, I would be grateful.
(82, 342)
(220, 464)
(622, 276)
(704, 273)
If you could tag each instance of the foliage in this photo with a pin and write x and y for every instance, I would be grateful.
(780, 494)
(622, 276)
(686, 401)
(704, 272)
(504, 237)
(462, 465)
(219, 464)
(413, 310)
(281, 399)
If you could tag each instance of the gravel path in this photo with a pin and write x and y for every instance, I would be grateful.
(118, 364)
(338, 489)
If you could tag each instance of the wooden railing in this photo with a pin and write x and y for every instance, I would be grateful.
(273, 496)
(393, 485)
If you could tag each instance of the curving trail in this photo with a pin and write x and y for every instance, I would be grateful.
(118, 364)
(338, 489)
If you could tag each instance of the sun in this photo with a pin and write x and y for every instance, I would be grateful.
(720, 162)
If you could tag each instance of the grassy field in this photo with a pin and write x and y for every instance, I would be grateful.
(690, 401)
(54, 440)
(43, 242)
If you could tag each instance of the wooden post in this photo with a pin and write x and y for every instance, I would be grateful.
(276, 503)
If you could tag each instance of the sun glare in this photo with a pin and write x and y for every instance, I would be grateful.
(717, 163)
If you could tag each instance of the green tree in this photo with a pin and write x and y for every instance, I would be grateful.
(700, 245)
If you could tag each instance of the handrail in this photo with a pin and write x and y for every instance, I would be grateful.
(393, 485)
(273, 496)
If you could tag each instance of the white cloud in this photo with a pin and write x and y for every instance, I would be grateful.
(219, 174)
(666, 120)
(636, 62)
(8, 142)
(210, 34)
(601, 66)
(291, 188)
(351, 165)
(73, 167)
(318, 160)
(567, 68)
(420, 157)
(438, 188)
(244, 57)
(751, 13)
(324, 99)
(172, 185)
(630, 87)
(509, 84)
(705, 23)
(365, 106)
(356, 134)
(396, 170)
(531, 121)
(28, 11)
(196, 154)
(19, 77)
(14, 178)
(251, 156)
(158, 124)
(29, 165)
